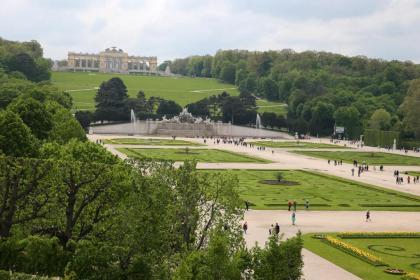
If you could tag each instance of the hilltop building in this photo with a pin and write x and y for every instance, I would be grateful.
(112, 60)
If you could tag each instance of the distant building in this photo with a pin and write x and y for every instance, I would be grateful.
(112, 60)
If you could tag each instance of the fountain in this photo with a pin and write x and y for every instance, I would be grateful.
(133, 121)
(186, 125)
(258, 122)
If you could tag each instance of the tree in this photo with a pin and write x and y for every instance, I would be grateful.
(380, 119)
(169, 107)
(34, 114)
(110, 101)
(199, 108)
(271, 90)
(65, 126)
(278, 260)
(84, 118)
(269, 119)
(25, 189)
(410, 108)
(322, 120)
(235, 111)
(227, 74)
(16, 138)
(35, 71)
(89, 184)
(349, 117)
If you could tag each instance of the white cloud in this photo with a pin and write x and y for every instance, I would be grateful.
(178, 28)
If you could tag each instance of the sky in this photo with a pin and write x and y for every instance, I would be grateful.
(168, 29)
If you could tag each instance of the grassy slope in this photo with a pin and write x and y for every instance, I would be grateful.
(293, 144)
(150, 142)
(361, 268)
(180, 90)
(334, 193)
(268, 106)
(201, 155)
(379, 158)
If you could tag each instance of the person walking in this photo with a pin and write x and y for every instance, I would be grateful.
(289, 203)
(277, 229)
(368, 219)
(293, 218)
(246, 205)
(352, 172)
(294, 205)
(245, 227)
(306, 204)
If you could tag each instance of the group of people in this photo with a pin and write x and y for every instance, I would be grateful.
(336, 162)
(293, 204)
(400, 179)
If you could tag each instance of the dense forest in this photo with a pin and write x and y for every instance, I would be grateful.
(321, 89)
(69, 208)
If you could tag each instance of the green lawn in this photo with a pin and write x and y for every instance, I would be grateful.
(183, 90)
(323, 192)
(201, 155)
(150, 142)
(82, 87)
(268, 106)
(414, 173)
(294, 144)
(377, 159)
(402, 253)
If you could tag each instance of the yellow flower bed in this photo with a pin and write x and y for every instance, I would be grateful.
(412, 276)
(379, 234)
(354, 250)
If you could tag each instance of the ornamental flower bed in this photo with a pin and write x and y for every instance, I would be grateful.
(350, 249)
(411, 276)
(349, 235)
(395, 271)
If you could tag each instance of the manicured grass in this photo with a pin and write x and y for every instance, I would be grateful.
(402, 253)
(323, 192)
(294, 144)
(377, 159)
(414, 173)
(182, 90)
(150, 142)
(201, 155)
(269, 106)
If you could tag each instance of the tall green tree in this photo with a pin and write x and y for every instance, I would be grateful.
(110, 101)
(349, 117)
(25, 190)
(410, 107)
(34, 114)
(16, 138)
(380, 119)
(169, 107)
(89, 183)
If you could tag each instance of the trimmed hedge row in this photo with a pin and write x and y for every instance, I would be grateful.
(376, 137)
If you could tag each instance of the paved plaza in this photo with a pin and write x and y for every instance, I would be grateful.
(259, 221)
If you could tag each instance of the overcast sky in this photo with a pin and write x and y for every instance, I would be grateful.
(388, 29)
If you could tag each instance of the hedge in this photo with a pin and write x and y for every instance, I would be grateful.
(376, 137)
